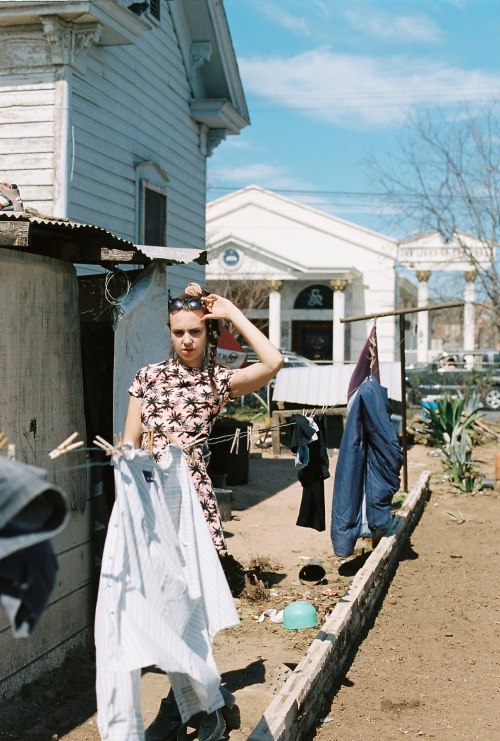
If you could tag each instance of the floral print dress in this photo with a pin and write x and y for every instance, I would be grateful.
(180, 401)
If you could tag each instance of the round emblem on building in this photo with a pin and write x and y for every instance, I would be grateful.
(231, 257)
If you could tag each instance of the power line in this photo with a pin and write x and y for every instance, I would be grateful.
(350, 194)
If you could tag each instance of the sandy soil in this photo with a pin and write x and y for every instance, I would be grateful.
(429, 666)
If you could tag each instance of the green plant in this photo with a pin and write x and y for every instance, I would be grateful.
(452, 414)
(449, 427)
(456, 453)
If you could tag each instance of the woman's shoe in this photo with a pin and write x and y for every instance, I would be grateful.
(212, 726)
(168, 723)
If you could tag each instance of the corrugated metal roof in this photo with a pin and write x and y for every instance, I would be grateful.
(64, 225)
(328, 384)
(122, 250)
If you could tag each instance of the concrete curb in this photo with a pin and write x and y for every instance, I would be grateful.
(294, 711)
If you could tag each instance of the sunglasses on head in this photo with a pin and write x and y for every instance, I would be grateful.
(190, 302)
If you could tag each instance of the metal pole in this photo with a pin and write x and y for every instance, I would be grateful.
(402, 365)
(398, 312)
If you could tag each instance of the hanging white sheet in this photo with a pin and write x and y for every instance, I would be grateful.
(162, 594)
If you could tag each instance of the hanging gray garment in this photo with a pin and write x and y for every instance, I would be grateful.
(31, 512)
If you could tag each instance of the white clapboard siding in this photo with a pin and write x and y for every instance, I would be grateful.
(117, 124)
(178, 276)
(27, 138)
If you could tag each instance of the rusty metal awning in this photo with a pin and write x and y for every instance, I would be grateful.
(84, 243)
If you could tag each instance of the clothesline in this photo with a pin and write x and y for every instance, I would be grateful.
(212, 441)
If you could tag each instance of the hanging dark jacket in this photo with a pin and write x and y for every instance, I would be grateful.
(312, 476)
(369, 461)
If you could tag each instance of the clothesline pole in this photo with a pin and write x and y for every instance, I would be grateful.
(402, 351)
(402, 365)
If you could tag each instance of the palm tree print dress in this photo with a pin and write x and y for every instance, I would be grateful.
(179, 400)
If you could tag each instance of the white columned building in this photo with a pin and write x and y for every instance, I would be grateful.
(469, 310)
(338, 287)
(428, 253)
(423, 316)
(275, 287)
(301, 270)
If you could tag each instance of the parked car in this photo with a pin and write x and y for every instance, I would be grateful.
(457, 371)
(292, 359)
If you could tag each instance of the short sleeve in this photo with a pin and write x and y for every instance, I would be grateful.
(138, 386)
(222, 378)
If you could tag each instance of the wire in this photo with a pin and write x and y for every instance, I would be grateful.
(110, 274)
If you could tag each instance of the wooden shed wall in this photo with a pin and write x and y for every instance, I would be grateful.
(41, 379)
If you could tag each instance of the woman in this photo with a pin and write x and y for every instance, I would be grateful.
(177, 401)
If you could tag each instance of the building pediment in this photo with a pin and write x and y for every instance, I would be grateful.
(429, 251)
(232, 256)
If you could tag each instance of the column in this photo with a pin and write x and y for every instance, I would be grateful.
(338, 349)
(469, 309)
(423, 316)
(275, 287)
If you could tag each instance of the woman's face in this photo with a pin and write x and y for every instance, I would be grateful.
(189, 336)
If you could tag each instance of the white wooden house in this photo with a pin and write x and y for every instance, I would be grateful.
(106, 118)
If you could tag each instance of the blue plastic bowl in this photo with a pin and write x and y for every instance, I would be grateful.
(300, 615)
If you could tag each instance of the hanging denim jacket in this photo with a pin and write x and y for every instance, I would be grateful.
(368, 465)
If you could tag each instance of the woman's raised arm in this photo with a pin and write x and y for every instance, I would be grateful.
(251, 378)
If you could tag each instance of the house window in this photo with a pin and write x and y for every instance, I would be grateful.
(154, 9)
(152, 203)
(154, 215)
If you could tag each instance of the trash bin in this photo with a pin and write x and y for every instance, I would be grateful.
(223, 461)
(225, 501)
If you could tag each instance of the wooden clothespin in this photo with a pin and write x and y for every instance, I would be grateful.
(66, 446)
(249, 438)
(197, 440)
(149, 441)
(3, 440)
(107, 447)
(235, 445)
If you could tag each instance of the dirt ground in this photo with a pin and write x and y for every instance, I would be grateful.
(429, 665)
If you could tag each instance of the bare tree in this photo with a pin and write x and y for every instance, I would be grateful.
(444, 175)
(247, 294)
(250, 294)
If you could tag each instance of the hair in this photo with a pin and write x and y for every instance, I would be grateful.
(213, 334)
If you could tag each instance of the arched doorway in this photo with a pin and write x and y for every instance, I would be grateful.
(313, 338)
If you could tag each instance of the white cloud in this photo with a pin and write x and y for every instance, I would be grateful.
(260, 173)
(301, 19)
(360, 90)
(297, 24)
(384, 25)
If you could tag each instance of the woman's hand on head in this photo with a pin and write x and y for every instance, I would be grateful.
(219, 307)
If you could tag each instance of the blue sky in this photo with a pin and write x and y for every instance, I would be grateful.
(328, 82)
